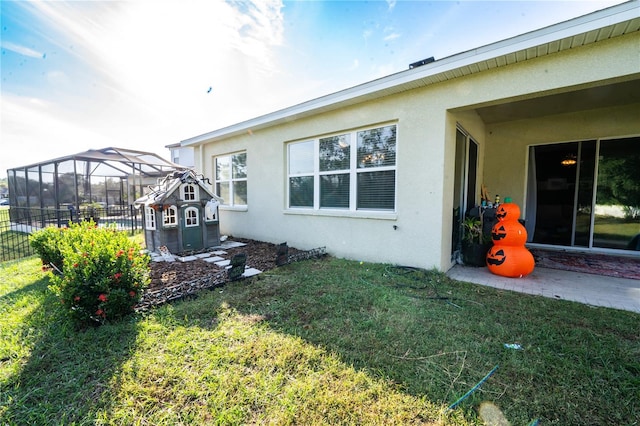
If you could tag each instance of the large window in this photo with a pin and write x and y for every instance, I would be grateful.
(231, 179)
(349, 171)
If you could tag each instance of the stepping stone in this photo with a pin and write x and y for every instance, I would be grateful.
(213, 259)
(250, 272)
(232, 244)
(219, 252)
(187, 258)
(166, 254)
(203, 255)
(223, 263)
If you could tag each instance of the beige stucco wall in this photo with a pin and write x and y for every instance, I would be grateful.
(507, 144)
(365, 236)
(426, 120)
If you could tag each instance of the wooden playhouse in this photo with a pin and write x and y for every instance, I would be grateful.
(180, 213)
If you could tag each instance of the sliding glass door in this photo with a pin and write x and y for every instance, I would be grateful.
(464, 189)
(617, 208)
(586, 194)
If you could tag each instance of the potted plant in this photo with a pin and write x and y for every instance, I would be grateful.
(475, 244)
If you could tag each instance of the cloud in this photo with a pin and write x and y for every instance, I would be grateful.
(143, 72)
(391, 36)
(58, 136)
(391, 4)
(21, 50)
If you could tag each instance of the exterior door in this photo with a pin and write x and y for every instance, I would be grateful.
(191, 229)
(585, 194)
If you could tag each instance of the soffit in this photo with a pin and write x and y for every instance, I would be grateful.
(624, 93)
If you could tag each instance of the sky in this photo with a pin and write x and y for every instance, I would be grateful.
(143, 74)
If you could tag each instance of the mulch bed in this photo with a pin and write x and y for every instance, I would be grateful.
(176, 280)
(589, 263)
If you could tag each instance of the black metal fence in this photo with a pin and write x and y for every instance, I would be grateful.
(17, 223)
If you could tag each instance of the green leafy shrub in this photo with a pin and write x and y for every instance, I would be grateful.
(103, 273)
(46, 243)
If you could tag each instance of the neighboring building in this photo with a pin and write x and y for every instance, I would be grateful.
(385, 171)
(180, 213)
(182, 155)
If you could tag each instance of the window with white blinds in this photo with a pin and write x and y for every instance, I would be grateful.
(347, 171)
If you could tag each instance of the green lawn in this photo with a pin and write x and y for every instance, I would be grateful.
(318, 342)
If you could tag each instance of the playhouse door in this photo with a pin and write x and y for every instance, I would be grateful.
(191, 229)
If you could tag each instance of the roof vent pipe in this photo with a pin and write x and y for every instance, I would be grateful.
(422, 62)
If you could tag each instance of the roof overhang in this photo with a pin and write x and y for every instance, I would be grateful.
(601, 25)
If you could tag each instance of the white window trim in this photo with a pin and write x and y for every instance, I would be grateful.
(186, 217)
(149, 218)
(229, 204)
(237, 208)
(353, 171)
(173, 215)
(360, 214)
(183, 193)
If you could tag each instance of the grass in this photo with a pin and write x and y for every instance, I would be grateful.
(318, 342)
(616, 229)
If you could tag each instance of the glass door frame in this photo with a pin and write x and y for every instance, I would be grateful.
(466, 164)
(589, 246)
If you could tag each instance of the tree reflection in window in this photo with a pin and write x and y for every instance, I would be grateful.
(334, 153)
(377, 147)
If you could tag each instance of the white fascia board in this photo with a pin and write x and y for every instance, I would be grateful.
(581, 25)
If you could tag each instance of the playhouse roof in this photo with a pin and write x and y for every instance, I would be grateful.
(171, 183)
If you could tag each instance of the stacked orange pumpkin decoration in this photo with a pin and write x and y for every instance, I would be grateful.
(508, 256)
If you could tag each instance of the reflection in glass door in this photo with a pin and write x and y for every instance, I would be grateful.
(585, 170)
(587, 194)
(617, 208)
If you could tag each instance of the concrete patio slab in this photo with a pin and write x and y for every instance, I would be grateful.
(590, 289)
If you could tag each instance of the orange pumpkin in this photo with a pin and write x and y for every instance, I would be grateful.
(510, 261)
(509, 233)
(508, 211)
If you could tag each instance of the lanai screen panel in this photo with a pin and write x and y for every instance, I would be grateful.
(109, 176)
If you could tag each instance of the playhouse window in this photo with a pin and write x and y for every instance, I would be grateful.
(149, 218)
(191, 217)
(170, 216)
(349, 171)
(189, 192)
(231, 178)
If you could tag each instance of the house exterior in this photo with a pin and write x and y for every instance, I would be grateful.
(181, 214)
(385, 171)
(181, 155)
